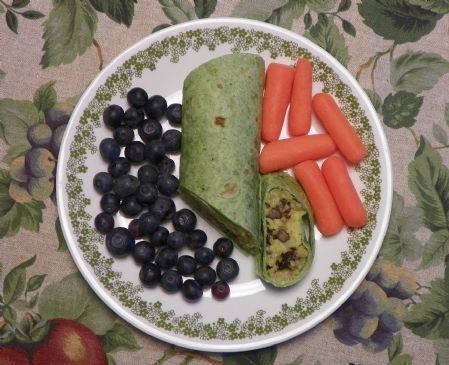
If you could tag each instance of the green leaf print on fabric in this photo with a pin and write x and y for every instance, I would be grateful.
(14, 283)
(285, 15)
(120, 11)
(429, 182)
(446, 114)
(321, 6)
(72, 298)
(441, 351)
(326, 34)
(265, 356)
(15, 118)
(297, 361)
(344, 5)
(119, 338)
(35, 282)
(205, 8)
(401, 109)
(258, 10)
(110, 359)
(400, 242)
(430, 317)
(395, 347)
(397, 20)
(439, 134)
(178, 11)
(437, 6)
(14, 215)
(376, 100)
(417, 71)
(62, 243)
(45, 97)
(69, 31)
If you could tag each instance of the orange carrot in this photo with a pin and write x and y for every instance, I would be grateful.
(300, 114)
(278, 88)
(340, 185)
(285, 153)
(325, 211)
(338, 127)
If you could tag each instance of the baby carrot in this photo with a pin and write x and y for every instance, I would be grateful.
(278, 88)
(338, 127)
(300, 113)
(284, 153)
(325, 211)
(340, 185)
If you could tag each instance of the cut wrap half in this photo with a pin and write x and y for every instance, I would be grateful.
(288, 243)
(219, 178)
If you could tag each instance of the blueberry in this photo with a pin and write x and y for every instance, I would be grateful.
(119, 167)
(186, 265)
(144, 252)
(166, 165)
(163, 207)
(133, 117)
(119, 241)
(171, 281)
(123, 135)
(150, 274)
(147, 174)
(137, 97)
(104, 222)
(166, 258)
(191, 290)
(146, 193)
(204, 255)
(184, 220)
(125, 185)
(197, 239)
(176, 240)
(149, 222)
(220, 290)
(154, 151)
(172, 140)
(223, 247)
(109, 149)
(110, 203)
(130, 206)
(134, 228)
(205, 276)
(113, 116)
(227, 269)
(159, 236)
(155, 107)
(174, 114)
(150, 130)
(134, 152)
(103, 182)
(167, 184)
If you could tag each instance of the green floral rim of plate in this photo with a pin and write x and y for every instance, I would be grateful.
(88, 239)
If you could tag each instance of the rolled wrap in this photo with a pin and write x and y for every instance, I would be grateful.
(222, 101)
(292, 254)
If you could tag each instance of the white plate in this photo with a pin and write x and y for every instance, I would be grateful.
(256, 315)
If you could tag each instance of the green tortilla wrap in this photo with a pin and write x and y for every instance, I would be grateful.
(288, 245)
(221, 122)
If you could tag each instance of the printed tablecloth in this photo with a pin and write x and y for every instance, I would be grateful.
(399, 52)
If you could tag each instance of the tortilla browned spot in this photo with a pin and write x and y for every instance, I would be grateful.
(220, 121)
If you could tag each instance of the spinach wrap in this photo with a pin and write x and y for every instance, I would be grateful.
(288, 245)
(219, 178)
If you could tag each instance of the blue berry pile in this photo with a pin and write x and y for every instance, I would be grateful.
(148, 199)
